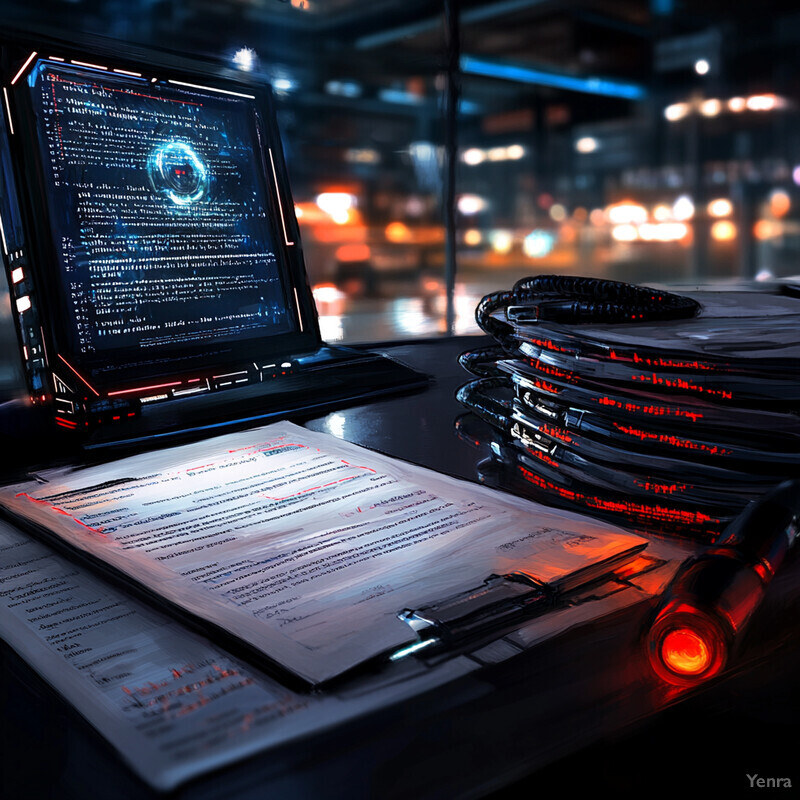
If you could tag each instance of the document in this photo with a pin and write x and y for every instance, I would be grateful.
(173, 704)
(169, 701)
(303, 546)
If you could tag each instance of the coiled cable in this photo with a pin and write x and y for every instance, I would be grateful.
(569, 299)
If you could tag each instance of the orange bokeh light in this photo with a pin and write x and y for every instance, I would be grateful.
(352, 252)
(397, 232)
(567, 234)
(764, 229)
(472, 237)
(723, 231)
(779, 203)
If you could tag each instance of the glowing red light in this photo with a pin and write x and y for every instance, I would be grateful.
(145, 388)
(546, 387)
(79, 376)
(685, 652)
(542, 457)
(686, 645)
(549, 369)
(673, 441)
(555, 433)
(547, 344)
(656, 513)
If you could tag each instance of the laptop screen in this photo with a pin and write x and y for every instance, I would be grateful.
(162, 226)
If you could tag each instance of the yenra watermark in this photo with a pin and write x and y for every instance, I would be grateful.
(769, 783)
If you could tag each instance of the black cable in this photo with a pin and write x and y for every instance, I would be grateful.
(490, 409)
(487, 323)
(483, 362)
(569, 299)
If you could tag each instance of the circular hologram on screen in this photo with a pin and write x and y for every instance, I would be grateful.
(178, 172)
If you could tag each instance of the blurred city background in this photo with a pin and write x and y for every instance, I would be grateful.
(653, 141)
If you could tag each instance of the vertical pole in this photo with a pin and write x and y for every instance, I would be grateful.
(744, 200)
(453, 50)
(698, 254)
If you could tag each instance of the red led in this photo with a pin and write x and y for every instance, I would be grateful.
(669, 363)
(679, 383)
(685, 652)
(549, 345)
(656, 411)
(686, 646)
(673, 441)
(549, 369)
(635, 510)
(555, 433)
(542, 457)
(546, 387)
(661, 488)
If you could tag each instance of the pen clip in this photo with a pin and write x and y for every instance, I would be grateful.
(499, 601)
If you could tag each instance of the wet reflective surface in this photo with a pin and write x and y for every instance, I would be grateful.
(418, 427)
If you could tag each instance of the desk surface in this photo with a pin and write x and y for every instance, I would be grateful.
(574, 713)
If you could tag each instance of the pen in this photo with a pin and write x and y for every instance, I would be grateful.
(499, 602)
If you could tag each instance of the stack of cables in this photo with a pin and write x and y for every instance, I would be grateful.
(663, 412)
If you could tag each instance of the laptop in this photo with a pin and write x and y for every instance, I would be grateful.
(154, 258)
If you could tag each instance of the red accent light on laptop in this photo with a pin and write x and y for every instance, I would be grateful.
(82, 379)
(23, 68)
(144, 388)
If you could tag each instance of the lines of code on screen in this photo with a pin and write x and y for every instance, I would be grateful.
(159, 213)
